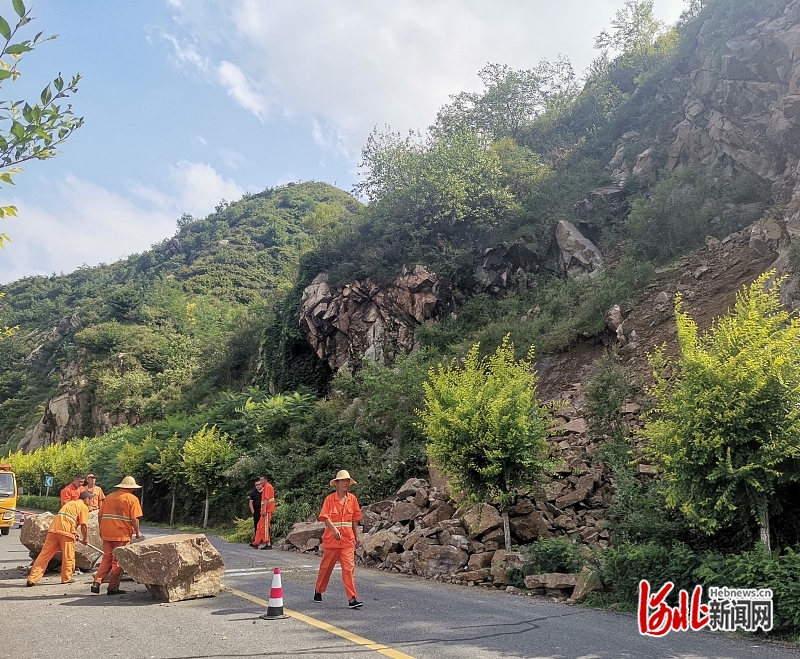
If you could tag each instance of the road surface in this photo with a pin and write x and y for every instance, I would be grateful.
(403, 617)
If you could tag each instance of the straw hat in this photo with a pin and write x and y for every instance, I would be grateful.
(342, 475)
(90, 476)
(128, 483)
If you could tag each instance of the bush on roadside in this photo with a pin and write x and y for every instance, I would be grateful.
(243, 531)
(33, 502)
(552, 555)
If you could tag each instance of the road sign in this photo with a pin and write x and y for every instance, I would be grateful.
(48, 481)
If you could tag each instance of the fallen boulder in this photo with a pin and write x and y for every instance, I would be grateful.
(174, 567)
(302, 532)
(34, 533)
(439, 559)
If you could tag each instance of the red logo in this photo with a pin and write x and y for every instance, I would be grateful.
(657, 618)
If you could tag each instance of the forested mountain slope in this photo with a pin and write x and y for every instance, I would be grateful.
(530, 208)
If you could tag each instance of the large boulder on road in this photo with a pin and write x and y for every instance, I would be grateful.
(174, 567)
(34, 533)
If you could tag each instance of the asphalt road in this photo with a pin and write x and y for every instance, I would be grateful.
(401, 614)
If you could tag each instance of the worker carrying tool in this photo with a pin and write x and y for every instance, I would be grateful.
(118, 518)
(61, 537)
(263, 534)
(341, 514)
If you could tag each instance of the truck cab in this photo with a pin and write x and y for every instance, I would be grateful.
(8, 498)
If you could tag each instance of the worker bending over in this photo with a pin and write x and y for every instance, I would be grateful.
(61, 537)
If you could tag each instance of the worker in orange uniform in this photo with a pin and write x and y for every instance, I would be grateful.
(72, 492)
(341, 514)
(61, 537)
(119, 520)
(95, 490)
(267, 509)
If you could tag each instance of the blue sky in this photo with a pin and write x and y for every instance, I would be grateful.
(187, 102)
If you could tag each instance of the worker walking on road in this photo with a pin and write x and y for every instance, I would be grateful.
(95, 490)
(267, 509)
(72, 492)
(341, 514)
(119, 520)
(61, 537)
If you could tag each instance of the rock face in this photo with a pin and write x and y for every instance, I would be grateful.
(34, 533)
(498, 265)
(71, 410)
(367, 319)
(174, 567)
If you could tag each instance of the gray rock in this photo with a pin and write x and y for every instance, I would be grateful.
(442, 559)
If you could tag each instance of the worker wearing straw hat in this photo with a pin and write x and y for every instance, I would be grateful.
(341, 514)
(119, 520)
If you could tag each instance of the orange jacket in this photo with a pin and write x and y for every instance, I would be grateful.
(342, 517)
(97, 497)
(70, 493)
(116, 516)
(67, 520)
(267, 499)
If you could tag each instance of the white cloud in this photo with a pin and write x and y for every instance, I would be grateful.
(85, 224)
(241, 89)
(194, 187)
(81, 222)
(348, 65)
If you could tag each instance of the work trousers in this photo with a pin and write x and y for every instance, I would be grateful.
(346, 558)
(54, 543)
(262, 530)
(109, 564)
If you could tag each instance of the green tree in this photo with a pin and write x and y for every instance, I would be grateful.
(169, 469)
(485, 426)
(35, 130)
(511, 99)
(206, 455)
(727, 427)
(635, 29)
(132, 460)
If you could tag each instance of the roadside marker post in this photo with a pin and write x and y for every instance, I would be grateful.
(275, 607)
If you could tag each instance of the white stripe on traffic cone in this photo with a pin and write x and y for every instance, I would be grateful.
(275, 608)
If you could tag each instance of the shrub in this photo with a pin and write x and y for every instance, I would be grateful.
(606, 390)
(623, 566)
(33, 502)
(243, 531)
(552, 555)
(286, 514)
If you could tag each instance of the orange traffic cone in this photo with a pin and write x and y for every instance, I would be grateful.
(275, 608)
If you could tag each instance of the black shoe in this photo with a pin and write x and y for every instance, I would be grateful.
(267, 547)
(30, 583)
(116, 592)
(95, 588)
(317, 596)
(355, 604)
(253, 545)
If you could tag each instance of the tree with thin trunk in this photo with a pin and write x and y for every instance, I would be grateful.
(169, 470)
(726, 430)
(486, 428)
(205, 456)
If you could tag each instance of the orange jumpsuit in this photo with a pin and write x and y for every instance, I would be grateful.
(70, 493)
(97, 497)
(267, 508)
(61, 538)
(115, 516)
(333, 550)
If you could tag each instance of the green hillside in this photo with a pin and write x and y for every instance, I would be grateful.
(204, 328)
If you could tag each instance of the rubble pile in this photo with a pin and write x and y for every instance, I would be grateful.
(420, 531)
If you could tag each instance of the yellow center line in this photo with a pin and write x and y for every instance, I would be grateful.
(324, 626)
